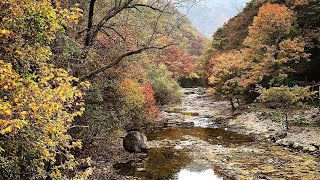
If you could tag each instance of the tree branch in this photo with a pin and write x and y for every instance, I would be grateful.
(119, 59)
(148, 6)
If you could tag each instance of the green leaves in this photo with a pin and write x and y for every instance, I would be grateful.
(284, 96)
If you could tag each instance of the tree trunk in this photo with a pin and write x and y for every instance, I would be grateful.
(232, 104)
(287, 122)
(90, 23)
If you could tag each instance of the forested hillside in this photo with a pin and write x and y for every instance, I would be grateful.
(73, 73)
(269, 44)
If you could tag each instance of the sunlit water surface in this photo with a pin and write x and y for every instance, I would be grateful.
(208, 174)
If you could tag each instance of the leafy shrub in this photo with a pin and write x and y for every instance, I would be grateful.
(34, 119)
(166, 89)
(131, 94)
(137, 101)
(284, 97)
(116, 104)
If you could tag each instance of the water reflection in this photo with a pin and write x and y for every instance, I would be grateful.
(168, 163)
(208, 174)
(198, 169)
(176, 162)
(213, 136)
(161, 164)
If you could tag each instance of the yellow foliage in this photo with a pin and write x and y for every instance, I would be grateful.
(45, 108)
(226, 74)
(38, 102)
(132, 93)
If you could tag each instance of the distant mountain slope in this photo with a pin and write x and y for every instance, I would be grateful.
(208, 15)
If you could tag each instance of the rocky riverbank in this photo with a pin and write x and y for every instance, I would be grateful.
(262, 126)
(261, 123)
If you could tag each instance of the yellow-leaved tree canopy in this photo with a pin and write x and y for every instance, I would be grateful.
(38, 102)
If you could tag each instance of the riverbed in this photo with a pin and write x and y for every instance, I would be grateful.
(193, 145)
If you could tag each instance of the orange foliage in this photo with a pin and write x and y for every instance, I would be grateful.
(138, 97)
(150, 103)
(273, 22)
(177, 61)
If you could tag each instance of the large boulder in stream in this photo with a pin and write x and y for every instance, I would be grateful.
(135, 142)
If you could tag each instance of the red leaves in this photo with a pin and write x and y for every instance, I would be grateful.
(178, 61)
(150, 102)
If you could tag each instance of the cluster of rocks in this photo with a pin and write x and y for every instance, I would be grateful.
(280, 138)
(313, 116)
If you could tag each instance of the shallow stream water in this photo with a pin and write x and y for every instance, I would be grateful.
(203, 151)
(177, 162)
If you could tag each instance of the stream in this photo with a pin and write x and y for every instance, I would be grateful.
(193, 147)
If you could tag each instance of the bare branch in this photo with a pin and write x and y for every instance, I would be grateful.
(119, 59)
(148, 6)
(115, 31)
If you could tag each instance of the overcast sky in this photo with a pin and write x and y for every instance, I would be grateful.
(208, 15)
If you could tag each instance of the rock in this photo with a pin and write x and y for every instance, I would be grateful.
(317, 145)
(279, 142)
(284, 142)
(298, 146)
(135, 142)
(272, 105)
(288, 143)
(312, 149)
(186, 124)
(278, 135)
(141, 169)
(270, 129)
(189, 92)
(262, 176)
(305, 148)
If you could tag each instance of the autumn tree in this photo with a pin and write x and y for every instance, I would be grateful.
(272, 49)
(273, 23)
(38, 102)
(197, 46)
(229, 37)
(179, 62)
(226, 76)
(132, 26)
(274, 45)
